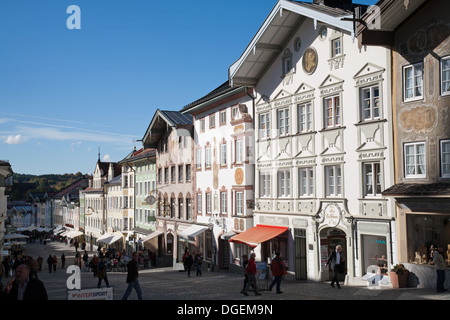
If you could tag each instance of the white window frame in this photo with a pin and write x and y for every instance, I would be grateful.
(306, 182)
(208, 202)
(223, 154)
(199, 158)
(239, 202)
(223, 202)
(443, 81)
(336, 47)
(305, 117)
(264, 125)
(372, 179)
(445, 173)
(333, 112)
(283, 118)
(199, 202)
(208, 157)
(264, 184)
(284, 183)
(415, 85)
(238, 151)
(333, 180)
(370, 104)
(415, 157)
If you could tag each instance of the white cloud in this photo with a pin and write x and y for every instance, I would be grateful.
(106, 157)
(17, 139)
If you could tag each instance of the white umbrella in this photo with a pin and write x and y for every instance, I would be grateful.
(15, 236)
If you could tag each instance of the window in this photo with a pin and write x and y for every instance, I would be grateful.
(223, 154)
(202, 124)
(264, 184)
(413, 82)
(234, 113)
(180, 174)
(283, 121)
(333, 180)
(208, 157)
(238, 151)
(199, 158)
(188, 172)
(239, 202)
(415, 164)
(188, 209)
(286, 61)
(445, 75)
(180, 208)
(159, 175)
(306, 181)
(222, 117)
(304, 117)
(372, 179)
(208, 202)
(332, 111)
(336, 47)
(284, 183)
(199, 203)
(212, 120)
(264, 126)
(223, 202)
(370, 103)
(172, 174)
(166, 175)
(445, 158)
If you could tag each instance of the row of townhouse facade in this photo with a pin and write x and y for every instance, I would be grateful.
(332, 129)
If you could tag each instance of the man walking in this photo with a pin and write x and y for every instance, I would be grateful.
(133, 278)
(439, 262)
(336, 261)
(278, 271)
(251, 273)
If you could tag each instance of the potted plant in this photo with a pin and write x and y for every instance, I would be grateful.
(399, 276)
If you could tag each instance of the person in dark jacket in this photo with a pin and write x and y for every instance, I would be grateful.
(23, 287)
(336, 262)
(251, 273)
(278, 271)
(133, 278)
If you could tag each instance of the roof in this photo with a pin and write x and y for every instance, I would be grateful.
(277, 30)
(73, 188)
(139, 155)
(418, 189)
(104, 166)
(162, 119)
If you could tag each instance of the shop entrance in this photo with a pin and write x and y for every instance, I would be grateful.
(329, 239)
(300, 254)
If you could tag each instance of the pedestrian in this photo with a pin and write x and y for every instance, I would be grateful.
(198, 263)
(188, 261)
(50, 263)
(278, 269)
(336, 262)
(244, 266)
(439, 262)
(63, 260)
(101, 272)
(34, 267)
(23, 287)
(85, 259)
(55, 262)
(94, 262)
(133, 277)
(77, 260)
(251, 273)
(40, 260)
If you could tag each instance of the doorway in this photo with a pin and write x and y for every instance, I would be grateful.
(300, 254)
(329, 239)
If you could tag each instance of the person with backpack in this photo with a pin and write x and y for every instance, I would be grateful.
(278, 271)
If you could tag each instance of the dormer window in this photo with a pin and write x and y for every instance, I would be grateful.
(287, 62)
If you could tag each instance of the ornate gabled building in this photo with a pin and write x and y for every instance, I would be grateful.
(224, 168)
(170, 133)
(323, 146)
(418, 33)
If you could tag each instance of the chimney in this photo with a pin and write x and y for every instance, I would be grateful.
(110, 172)
(343, 4)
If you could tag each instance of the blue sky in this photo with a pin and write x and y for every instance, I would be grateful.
(66, 93)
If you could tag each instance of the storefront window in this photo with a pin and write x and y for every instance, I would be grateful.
(423, 232)
(374, 251)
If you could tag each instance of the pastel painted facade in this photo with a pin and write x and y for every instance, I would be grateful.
(170, 133)
(324, 144)
(224, 169)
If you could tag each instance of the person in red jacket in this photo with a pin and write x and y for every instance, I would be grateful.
(251, 273)
(278, 271)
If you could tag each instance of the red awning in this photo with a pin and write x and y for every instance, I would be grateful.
(256, 235)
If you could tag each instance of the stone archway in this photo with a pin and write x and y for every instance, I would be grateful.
(330, 237)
